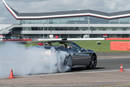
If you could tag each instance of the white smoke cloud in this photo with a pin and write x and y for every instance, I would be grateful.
(34, 60)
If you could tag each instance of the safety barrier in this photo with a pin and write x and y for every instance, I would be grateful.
(117, 39)
(73, 39)
(17, 39)
(120, 45)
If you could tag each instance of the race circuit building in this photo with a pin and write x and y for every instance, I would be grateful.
(69, 24)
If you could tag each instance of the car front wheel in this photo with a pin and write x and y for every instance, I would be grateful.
(93, 62)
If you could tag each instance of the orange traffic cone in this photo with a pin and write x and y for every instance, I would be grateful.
(11, 74)
(121, 68)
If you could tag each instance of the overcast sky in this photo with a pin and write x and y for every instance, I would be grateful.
(60, 5)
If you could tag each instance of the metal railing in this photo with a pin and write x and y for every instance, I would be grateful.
(73, 25)
(77, 32)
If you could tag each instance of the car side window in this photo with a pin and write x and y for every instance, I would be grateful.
(74, 48)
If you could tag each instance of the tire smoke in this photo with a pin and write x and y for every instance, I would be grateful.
(33, 60)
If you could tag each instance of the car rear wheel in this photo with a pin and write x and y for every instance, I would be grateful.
(93, 62)
(66, 65)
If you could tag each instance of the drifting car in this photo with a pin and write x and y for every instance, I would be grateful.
(77, 55)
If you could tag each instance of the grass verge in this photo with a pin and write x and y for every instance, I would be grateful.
(91, 44)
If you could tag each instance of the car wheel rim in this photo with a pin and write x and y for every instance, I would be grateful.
(94, 61)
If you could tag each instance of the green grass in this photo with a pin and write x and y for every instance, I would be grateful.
(89, 44)
(104, 47)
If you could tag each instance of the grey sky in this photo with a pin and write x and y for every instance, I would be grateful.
(59, 5)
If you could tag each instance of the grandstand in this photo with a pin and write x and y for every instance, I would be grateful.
(69, 24)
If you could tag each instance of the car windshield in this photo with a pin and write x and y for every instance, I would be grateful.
(65, 44)
(75, 45)
(56, 43)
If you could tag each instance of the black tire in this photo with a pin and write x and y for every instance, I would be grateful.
(93, 62)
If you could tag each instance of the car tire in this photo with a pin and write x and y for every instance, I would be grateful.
(66, 65)
(93, 62)
(68, 62)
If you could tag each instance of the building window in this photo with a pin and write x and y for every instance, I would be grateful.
(114, 21)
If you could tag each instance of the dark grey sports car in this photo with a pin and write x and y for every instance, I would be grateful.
(77, 55)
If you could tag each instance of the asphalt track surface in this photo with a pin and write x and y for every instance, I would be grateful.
(107, 64)
(107, 74)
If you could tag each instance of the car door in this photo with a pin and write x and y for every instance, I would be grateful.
(79, 57)
(85, 56)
